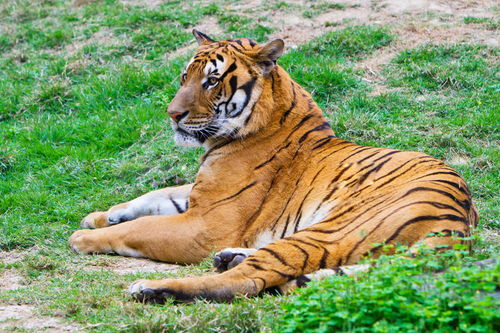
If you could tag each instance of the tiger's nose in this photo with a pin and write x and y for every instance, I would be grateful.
(177, 116)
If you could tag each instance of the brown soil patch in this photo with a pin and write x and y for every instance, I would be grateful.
(10, 280)
(11, 257)
(23, 317)
(143, 3)
(81, 3)
(127, 265)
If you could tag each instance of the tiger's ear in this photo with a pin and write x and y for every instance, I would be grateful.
(267, 56)
(201, 38)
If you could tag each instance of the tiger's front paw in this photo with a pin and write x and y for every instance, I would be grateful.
(85, 241)
(229, 258)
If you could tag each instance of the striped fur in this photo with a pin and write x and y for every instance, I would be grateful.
(276, 178)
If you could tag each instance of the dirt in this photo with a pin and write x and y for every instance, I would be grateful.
(24, 317)
(10, 280)
(124, 265)
(144, 3)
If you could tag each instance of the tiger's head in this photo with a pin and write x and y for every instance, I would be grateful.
(219, 88)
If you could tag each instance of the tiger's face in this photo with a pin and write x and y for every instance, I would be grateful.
(219, 87)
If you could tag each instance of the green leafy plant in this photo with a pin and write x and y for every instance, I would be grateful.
(436, 292)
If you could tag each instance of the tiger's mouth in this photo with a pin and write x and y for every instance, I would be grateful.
(200, 135)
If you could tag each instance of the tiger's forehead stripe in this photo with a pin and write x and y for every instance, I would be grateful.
(215, 65)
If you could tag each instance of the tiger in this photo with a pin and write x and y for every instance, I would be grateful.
(278, 196)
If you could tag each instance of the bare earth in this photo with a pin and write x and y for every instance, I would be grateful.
(414, 22)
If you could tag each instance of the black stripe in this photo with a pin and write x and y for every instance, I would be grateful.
(414, 220)
(341, 173)
(286, 276)
(231, 68)
(388, 154)
(399, 175)
(211, 150)
(272, 82)
(306, 256)
(286, 226)
(449, 217)
(369, 156)
(177, 207)
(275, 254)
(465, 204)
(291, 238)
(316, 175)
(237, 193)
(439, 173)
(336, 151)
(221, 58)
(233, 83)
(292, 106)
(324, 141)
(321, 127)
(263, 281)
(464, 190)
(297, 219)
(324, 258)
(272, 157)
(247, 88)
(257, 267)
(362, 179)
(354, 152)
(301, 123)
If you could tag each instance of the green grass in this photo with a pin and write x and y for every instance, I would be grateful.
(83, 97)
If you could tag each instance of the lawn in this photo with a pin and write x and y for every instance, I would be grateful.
(84, 87)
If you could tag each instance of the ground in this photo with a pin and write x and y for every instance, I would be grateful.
(84, 86)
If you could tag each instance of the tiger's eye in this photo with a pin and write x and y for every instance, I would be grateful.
(184, 77)
(212, 80)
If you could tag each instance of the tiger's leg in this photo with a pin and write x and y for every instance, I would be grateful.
(181, 238)
(167, 201)
(270, 266)
(229, 258)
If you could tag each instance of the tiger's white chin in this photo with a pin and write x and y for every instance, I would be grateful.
(184, 140)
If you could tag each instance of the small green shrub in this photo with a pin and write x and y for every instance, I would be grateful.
(400, 295)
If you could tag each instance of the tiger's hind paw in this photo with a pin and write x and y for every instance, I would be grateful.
(229, 258)
(144, 292)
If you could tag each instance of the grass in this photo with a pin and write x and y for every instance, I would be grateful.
(83, 93)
